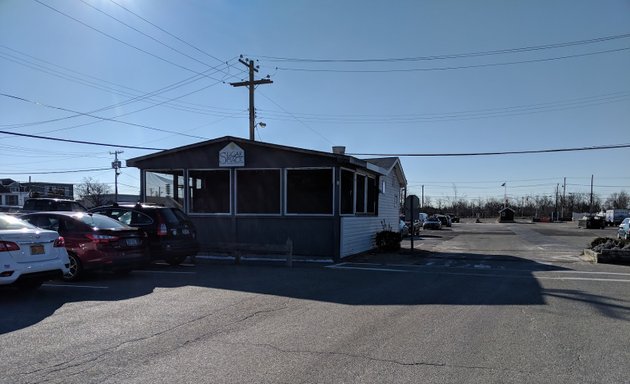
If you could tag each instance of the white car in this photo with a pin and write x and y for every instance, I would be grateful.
(29, 255)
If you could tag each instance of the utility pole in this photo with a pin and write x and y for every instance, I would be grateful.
(116, 165)
(422, 204)
(556, 209)
(251, 86)
(590, 207)
(564, 196)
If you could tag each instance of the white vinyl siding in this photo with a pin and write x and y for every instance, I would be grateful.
(358, 232)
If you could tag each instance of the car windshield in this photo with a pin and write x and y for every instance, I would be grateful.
(100, 221)
(8, 222)
(173, 215)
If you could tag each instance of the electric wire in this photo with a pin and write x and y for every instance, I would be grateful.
(137, 95)
(81, 141)
(99, 117)
(450, 68)
(150, 37)
(450, 56)
(297, 119)
(123, 42)
(468, 154)
(58, 172)
(167, 32)
(457, 115)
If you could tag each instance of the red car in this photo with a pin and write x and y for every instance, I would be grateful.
(95, 242)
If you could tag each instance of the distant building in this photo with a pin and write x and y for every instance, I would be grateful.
(14, 193)
(506, 215)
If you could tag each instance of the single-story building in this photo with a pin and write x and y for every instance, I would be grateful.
(506, 215)
(241, 191)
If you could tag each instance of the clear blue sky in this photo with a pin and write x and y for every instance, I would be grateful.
(60, 57)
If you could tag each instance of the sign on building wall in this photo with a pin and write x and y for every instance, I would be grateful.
(232, 156)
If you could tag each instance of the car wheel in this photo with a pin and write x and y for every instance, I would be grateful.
(176, 260)
(75, 268)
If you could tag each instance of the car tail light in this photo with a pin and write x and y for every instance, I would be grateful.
(162, 230)
(7, 246)
(60, 242)
(101, 238)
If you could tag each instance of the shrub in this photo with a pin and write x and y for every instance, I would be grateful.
(388, 240)
(602, 243)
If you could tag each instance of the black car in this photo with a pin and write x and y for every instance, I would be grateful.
(49, 204)
(172, 236)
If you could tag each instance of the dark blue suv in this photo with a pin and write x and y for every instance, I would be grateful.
(172, 236)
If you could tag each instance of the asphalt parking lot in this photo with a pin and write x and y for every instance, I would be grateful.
(442, 313)
(492, 241)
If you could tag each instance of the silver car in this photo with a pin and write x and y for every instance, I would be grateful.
(624, 229)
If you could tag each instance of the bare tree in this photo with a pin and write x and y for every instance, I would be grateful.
(618, 200)
(92, 192)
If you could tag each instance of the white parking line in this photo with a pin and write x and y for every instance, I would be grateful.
(366, 269)
(493, 275)
(595, 273)
(582, 278)
(75, 286)
(167, 272)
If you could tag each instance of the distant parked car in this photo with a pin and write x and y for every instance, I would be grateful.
(445, 220)
(95, 242)
(29, 255)
(404, 229)
(39, 204)
(624, 229)
(432, 223)
(172, 236)
(454, 218)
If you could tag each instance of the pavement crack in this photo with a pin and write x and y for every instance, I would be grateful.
(374, 359)
(89, 359)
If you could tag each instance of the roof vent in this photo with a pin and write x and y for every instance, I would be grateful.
(339, 150)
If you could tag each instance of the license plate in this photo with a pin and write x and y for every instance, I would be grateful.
(133, 242)
(185, 231)
(37, 249)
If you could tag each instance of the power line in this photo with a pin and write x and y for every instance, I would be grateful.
(73, 76)
(299, 69)
(57, 172)
(99, 117)
(591, 148)
(453, 55)
(149, 36)
(458, 115)
(297, 119)
(80, 141)
(123, 42)
(167, 32)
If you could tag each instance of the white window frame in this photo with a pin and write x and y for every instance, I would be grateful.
(157, 170)
(280, 173)
(190, 188)
(354, 192)
(364, 212)
(332, 186)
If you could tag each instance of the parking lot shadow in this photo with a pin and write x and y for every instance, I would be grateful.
(343, 284)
